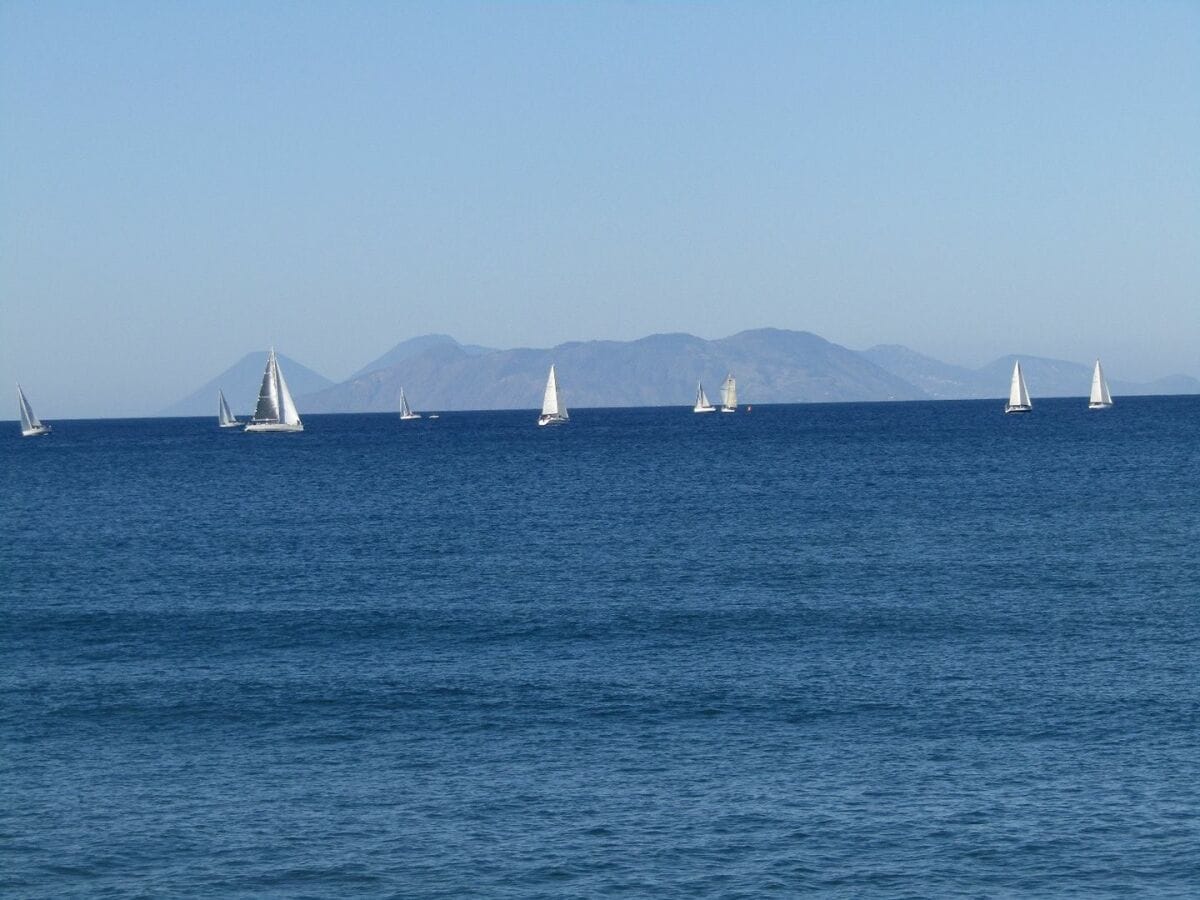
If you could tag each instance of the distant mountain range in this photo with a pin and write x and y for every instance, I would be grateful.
(771, 366)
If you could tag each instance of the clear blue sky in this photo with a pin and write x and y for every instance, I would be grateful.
(183, 182)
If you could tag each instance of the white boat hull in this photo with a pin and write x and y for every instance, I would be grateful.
(273, 426)
(1010, 409)
(231, 424)
(728, 409)
(410, 417)
(703, 409)
(552, 420)
(36, 431)
(1099, 406)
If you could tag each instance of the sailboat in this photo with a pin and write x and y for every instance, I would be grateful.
(275, 410)
(1018, 394)
(702, 404)
(554, 411)
(224, 417)
(405, 412)
(1100, 398)
(729, 394)
(31, 425)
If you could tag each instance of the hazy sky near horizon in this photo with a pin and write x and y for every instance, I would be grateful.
(182, 183)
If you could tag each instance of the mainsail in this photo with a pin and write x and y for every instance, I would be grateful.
(275, 410)
(224, 417)
(1100, 397)
(28, 420)
(405, 411)
(729, 394)
(267, 409)
(550, 405)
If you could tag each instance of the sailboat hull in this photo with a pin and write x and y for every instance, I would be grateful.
(1099, 406)
(728, 409)
(273, 426)
(231, 424)
(410, 417)
(703, 409)
(551, 420)
(36, 431)
(1010, 409)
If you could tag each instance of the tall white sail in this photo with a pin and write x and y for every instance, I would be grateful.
(1100, 397)
(554, 411)
(224, 417)
(702, 404)
(405, 411)
(288, 413)
(729, 394)
(276, 410)
(550, 397)
(1018, 393)
(31, 425)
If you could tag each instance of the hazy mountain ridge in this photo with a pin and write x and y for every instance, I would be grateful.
(771, 366)
(415, 347)
(1045, 377)
(941, 381)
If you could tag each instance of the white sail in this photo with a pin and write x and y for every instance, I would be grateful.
(405, 411)
(28, 419)
(1100, 397)
(225, 418)
(550, 397)
(702, 404)
(1014, 388)
(31, 425)
(276, 411)
(1018, 393)
(554, 411)
(729, 394)
(1025, 401)
(288, 413)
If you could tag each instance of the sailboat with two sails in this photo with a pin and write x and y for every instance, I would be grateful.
(276, 410)
(224, 417)
(554, 411)
(31, 425)
(1100, 397)
(406, 412)
(1018, 393)
(702, 404)
(729, 395)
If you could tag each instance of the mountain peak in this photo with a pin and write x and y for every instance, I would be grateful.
(415, 346)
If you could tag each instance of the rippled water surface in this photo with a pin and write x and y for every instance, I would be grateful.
(871, 650)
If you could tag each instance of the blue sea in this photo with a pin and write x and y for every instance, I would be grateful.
(859, 650)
